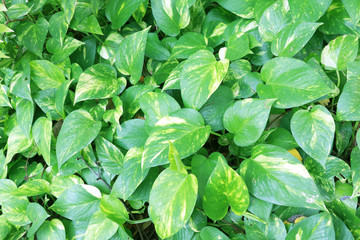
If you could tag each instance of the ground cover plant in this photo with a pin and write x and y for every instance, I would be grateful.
(179, 119)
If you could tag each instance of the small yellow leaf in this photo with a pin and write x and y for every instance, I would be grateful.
(295, 153)
(299, 219)
(324, 102)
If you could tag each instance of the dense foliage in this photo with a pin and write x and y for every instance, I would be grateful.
(179, 119)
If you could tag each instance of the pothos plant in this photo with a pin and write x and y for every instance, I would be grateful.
(189, 120)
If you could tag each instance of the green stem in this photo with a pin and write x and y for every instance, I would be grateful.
(138, 212)
(216, 134)
(98, 175)
(253, 217)
(31, 18)
(353, 136)
(338, 78)
(213, 224)
(338, 85)
(139, 221)
(102, 42)
(355, 129)
(187, 167)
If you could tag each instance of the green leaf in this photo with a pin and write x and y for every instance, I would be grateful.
(113, 115)
(60, 97)
(100, 227)
(88, 24)
(41, 131)
(17, 10)
(308, 10)
(200, 77)
(131, 99)
(282, 138)
(53, 229)
(45, 99)
(119, 11)
(156, 106)
(110, 157)
(24, 115)
(37, 215)
(17, 143)
(242, 8)
(241, 80)
(58, 26)
(341, 231)
(131, 134)
(188, 44)
(225, 187)
(173, 80)
(358, 138)
(314, 131)
(247, 119)
(343, 132)
(79, 202)
(176, 164)
(339, 52)
(156, 49)
(180, 128)
(99, 82)
(335, 166)
(355, 169)
(292, 38)
(238, 46)
(114, 209)
(68, 47)
(131, 176)
(46, 74)
(198, 220)
(348, 108)
(33, 188)
(257, 230)
(214, 25)
(5, 29)
(292, 82)
(2, 55)
(325, 184)
(260, 208)
(171, 16)
(140, 12)
(68, 6)
(33, 36)
(212, 233)
(172, 200)
(3, 167)
(15, 211)
(130, 56)
(274, 175)
(274, 18)
(2, 7)
(202, 168)
(240, 25)
(314, 227)
(163, 72)
(353, 8)
(214, 109)
(345, 208)
(336, 19)
(6, 188)
(4, 100)
(78, 130)
(20, 86)
(5, 227)
(60, 184)
(110, 46)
